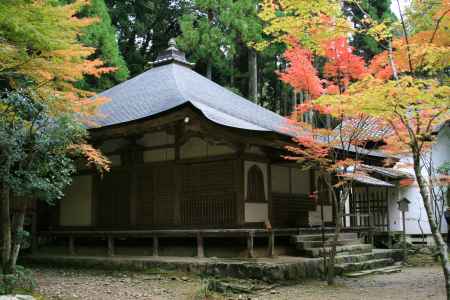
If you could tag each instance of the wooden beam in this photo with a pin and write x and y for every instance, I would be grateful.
(110, 246)
(240, 191)
(200, 246)
(388, 219)
(250, 240)
(271, 244)
(71, 245)
(94, 198)
(155, 246)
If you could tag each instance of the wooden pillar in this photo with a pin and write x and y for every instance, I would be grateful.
(178, 173)
(388, 219)
(370, 216)
(271, 244)
(110, 246)
(269, 192)
(71, 245)
(94, 198)
(240, 191)
(200, 247)
(250, 240)
(155, 246)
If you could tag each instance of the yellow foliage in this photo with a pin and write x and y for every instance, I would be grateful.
(310, 22)
(39, 42)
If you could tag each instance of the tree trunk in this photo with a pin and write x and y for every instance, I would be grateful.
(6, 229)
(209, 71)
(17, 238)
(440, 243)
(252, 75)
(294, 101)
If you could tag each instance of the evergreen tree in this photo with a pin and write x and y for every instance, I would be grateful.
(378, 10)
(102, 36)
(216, 33)
(144, 28)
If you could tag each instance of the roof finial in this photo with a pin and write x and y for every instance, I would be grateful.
(172, 43)
(171, 55)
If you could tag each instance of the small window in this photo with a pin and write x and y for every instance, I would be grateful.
(255, 185)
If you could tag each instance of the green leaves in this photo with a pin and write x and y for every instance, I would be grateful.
(35, 159)
(216, 30)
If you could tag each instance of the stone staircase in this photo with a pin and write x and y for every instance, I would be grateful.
(353, 257)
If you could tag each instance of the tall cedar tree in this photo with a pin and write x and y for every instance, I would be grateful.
(378, 10)
(144, 28)
(215, 32)
(101, 35)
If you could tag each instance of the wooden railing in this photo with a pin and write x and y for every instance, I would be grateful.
(198, 234)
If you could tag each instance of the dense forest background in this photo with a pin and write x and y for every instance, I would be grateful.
(219, 36)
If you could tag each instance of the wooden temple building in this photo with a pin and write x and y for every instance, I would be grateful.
(190, 159)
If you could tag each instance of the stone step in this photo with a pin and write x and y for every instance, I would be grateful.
(318, 237)
(346, 249)
(363, 265)
(344, 258)
(385, 270)
(328, 243)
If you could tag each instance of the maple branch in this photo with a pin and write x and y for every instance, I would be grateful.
(438, 22)
(406, 36)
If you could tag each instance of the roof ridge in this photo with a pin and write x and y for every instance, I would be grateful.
(218, 108)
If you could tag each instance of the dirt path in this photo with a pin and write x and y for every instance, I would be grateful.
(411, 283)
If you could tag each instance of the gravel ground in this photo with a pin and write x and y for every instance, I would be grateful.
(412, 284)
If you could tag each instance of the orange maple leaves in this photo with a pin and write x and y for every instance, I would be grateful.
(341, 67)
(301, 74)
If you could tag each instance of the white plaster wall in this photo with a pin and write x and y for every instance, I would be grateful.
(395, 221)
(156, 139)
(194, 147)
(197, 147)
(75, 207)
(263, 167)
(256, 212)
(159, 155)
(254, 150)
(280, 179)
(417, 215)
(218, 149)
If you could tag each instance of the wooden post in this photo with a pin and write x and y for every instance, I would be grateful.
(405, 250)
(200, 248)
(250, 237)
(110, 246)
(155, 246)
(388, 219)
(271, 244)
(370, 216)
(71, 245)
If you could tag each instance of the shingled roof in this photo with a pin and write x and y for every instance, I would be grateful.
(171, 83)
